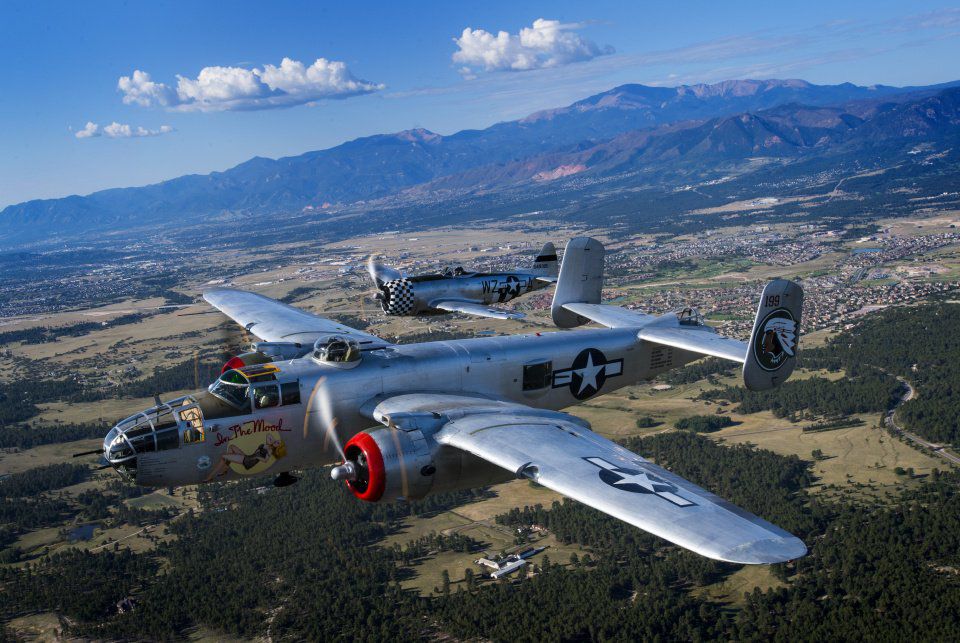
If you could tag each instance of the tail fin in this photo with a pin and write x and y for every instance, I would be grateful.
(772, 352)
(580, 281)
(546, 261)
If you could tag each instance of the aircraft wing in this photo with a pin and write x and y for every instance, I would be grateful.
(473, 308)
(561, 453)
(546, 279)
(275, 321)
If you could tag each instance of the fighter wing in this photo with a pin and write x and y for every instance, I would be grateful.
(473, 308)
(546, 279)
(275, 321)
(560, 452)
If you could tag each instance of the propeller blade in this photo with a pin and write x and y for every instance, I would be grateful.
(321, 394)
(380, 273)
(329, 421)
(395, 434)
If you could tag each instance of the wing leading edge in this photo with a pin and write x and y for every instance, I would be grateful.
(275, 321)
(473, 308)
(561, 454)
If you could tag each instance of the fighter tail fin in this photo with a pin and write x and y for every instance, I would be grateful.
(772, 352)
(580, 281)
(546, 262)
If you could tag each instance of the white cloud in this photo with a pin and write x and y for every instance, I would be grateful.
(547, 43)
(237, 88)
(89, 130)
(120, 130)
(138, 89)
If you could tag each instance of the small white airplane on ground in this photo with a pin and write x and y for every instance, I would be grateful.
(439, 416)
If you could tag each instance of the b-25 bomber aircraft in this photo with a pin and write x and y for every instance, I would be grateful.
(456, 290)
(447, 415)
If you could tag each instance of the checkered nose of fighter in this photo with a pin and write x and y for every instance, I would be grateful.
(394, 291)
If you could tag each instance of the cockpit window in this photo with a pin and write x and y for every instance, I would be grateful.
(233, 388)
(265, 396)
(290, 392)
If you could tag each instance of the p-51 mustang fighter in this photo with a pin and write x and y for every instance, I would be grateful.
(461, 291)
(440, 416)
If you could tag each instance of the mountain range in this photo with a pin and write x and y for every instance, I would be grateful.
(662, 135)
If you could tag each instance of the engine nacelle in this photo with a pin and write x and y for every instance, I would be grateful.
(391, 464)
(397, 297)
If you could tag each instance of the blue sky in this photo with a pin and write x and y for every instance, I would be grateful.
(386, 67)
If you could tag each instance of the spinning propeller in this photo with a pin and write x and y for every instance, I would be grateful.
(381, 276)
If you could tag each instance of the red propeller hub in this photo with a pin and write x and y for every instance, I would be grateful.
(366, 456)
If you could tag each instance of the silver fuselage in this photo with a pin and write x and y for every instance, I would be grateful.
(582, 364)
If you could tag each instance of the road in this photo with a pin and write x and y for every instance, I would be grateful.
(891, 423)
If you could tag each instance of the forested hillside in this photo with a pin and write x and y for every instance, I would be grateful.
(304, 561)
(920, 344)
(309, 562)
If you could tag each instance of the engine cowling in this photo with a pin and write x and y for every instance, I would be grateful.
(390, 464)
(397, 298)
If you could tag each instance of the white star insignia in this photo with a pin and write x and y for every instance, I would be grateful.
(588, 375)
(640, 479)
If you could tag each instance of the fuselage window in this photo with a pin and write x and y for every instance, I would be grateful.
(537, 376)
(194, 421)
(290, 391)
(265, 396)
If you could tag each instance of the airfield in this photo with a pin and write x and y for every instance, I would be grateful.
(919, 257)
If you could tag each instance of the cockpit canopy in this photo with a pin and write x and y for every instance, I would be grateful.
(256, 385)
(337, 350)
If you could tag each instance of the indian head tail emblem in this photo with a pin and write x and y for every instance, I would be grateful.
(776, 340)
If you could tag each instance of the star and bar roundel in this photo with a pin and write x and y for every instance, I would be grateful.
(635, 481)
(587, 374)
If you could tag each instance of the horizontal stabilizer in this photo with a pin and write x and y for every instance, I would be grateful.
(696, 339)
(610, 316)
